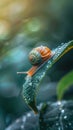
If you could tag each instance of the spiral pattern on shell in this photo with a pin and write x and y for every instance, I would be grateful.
(39, 54)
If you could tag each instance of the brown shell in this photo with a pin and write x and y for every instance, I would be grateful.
(44, 51)
(41, 54)
(45, 54)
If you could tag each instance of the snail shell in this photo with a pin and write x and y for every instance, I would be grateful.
(39, 54)
(37, 57)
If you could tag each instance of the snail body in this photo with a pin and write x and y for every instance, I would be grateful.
(37, 57)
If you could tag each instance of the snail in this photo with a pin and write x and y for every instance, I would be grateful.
(41, 58)
(37, 57)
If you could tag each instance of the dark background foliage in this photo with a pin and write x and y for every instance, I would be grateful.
(35, 23)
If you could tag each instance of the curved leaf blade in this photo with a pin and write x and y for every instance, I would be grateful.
(31, 85)
(64, 84)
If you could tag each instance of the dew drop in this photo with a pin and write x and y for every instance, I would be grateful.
(62, 110)
(17, 121)
(69, 124)
(57, 124)
(59, 128)
(28, 115)
(29, 99)
(62, 44)
(30, 84)
(59, 102)
(65, 117)
(22, 126)
(23, 118)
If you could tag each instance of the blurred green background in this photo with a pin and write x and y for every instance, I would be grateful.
(25, 24)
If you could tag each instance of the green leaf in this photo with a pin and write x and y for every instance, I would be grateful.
(32, 84)
(64, 84)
